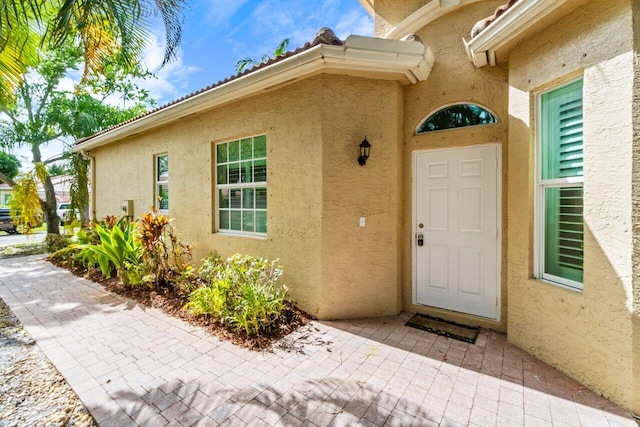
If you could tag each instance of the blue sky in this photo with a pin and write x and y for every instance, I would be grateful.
(217, 33)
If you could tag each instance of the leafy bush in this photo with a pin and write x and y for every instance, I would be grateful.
(26, 210)
(67, 256)
(241, 293)
(210, 300)
(211, 265)
(165, 257)
(187, 281)
(118, 250)
(55, 242)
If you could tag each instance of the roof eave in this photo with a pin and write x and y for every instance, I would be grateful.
(368, 5)
(402, 60)
(506, 29)
(424, 16)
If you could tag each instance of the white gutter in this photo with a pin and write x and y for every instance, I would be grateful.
(510, 25)
(92, 168)
(424, 16)
(400, 60)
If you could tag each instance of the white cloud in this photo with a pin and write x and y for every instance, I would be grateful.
(171, 80)
(220, 12)
(273, 20)
(354, 23)
(48, 150)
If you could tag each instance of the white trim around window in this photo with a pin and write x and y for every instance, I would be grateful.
(241, 186)
(161, 178)
(559, 196)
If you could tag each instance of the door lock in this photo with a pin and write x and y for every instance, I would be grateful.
(420, 239)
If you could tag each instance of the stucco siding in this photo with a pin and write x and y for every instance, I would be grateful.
(389, 13)
(635, 10)
(360, 264)
(291, 120)
(586, 334)
(453, 80)
(316, 190)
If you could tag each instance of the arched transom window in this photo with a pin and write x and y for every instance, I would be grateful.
(457, 116)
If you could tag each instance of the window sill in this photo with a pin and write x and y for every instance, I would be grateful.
(559, 285)
(232, 234)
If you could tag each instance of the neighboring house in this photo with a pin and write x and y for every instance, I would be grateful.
(61, 185)
(502, 187)
(5, 193)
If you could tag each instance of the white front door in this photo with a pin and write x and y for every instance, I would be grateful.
(457, 252)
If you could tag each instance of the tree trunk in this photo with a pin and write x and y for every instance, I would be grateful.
(84, 211)
(49, 207)
(83, 187)
(49, 204)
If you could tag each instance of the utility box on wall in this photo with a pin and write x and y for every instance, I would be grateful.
(127, 207)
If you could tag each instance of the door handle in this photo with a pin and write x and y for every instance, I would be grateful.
(420, 239)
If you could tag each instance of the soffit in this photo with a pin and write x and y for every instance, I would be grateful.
(493, 38)
(424, 16)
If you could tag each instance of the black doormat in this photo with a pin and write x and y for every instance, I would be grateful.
(444, 327)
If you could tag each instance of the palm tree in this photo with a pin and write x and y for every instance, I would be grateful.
(280, 50)
(103, 29)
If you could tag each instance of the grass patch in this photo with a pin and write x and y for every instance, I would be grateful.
(43, 227)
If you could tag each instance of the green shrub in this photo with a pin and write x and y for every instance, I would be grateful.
(67, 256)
(134, 274)
(187, 281)
(210, 300)
(118, 250)
(211, 265)
(241, 293)
(166, 258)
(55, 242)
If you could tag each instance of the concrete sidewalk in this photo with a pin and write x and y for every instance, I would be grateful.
(132, 365)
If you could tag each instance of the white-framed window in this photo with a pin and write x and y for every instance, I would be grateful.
(241, 202)
(560, 181)
(162, 182)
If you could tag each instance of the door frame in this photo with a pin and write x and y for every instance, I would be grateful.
(414, 231)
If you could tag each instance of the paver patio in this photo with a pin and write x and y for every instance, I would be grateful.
(132, 365)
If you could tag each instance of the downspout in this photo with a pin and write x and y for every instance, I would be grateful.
(92, 164)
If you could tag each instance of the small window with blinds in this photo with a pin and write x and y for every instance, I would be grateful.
(560, 187)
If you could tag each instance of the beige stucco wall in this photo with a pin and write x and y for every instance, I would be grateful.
(389, 13)
(635, 6)
(453, 80)
(361, 265)
(311, 126)
(585, 334)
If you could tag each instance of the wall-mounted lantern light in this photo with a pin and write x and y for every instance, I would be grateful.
(365, 149)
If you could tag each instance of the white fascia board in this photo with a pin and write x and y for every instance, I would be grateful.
(513, 22)
(424, 16)
(368, 6)
(405, 63)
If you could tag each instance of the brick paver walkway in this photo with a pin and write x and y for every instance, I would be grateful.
(133, 365)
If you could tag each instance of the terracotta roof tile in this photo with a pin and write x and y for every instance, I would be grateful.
(323, 36)
(484, 23)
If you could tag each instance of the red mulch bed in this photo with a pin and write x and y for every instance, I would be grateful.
(171, 303)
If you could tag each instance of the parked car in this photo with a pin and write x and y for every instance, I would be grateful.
(6, 222)
(66, 214)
